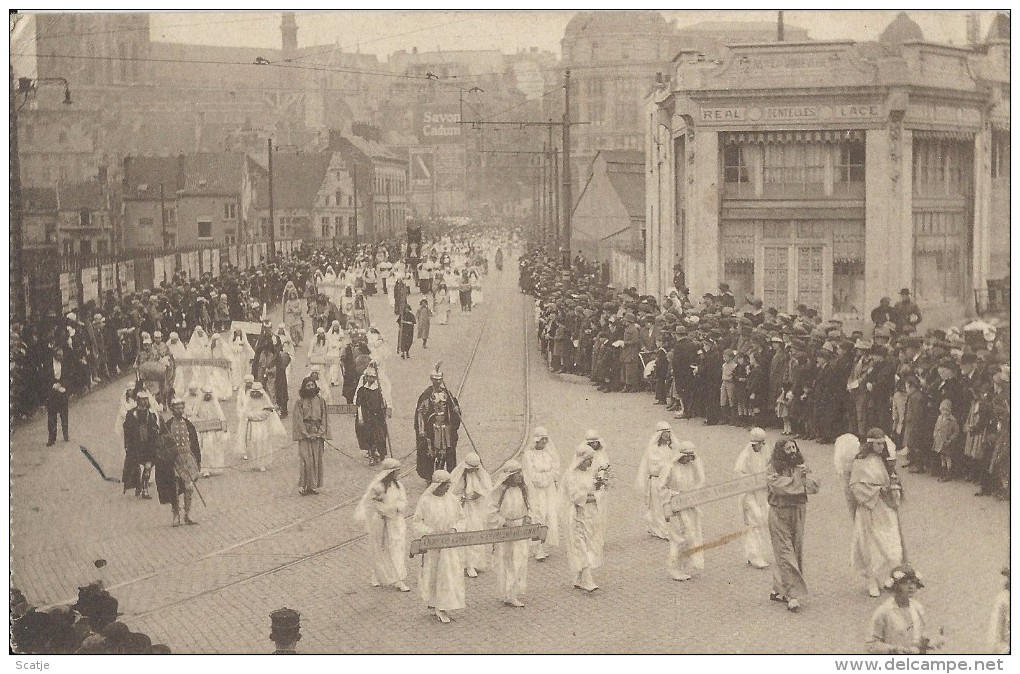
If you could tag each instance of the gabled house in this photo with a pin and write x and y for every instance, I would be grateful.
(610, 212)
(382, 185)
(191, 200)
(85, 219)
(313, 196)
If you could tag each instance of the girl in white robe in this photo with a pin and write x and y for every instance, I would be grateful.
(657, 457)
(178, 350)
(442, 304)
(875, 546)
(582, 522)
(476, 288)
(192, 398)
(241, 357)
(541, 464)
(471, 483)
(198, 347)
(383, 509)
(441, 575)
(218, 378)
(511, 506)
(263, 428)
(214, 444)
(241, 407)
(336, 342)
(754, 508)
(685, 473)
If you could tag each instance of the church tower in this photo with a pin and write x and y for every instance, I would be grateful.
(288, 29)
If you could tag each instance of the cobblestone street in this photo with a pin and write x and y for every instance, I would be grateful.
(209, 589)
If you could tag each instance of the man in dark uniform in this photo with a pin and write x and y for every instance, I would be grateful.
(436, 421)
(178, 463)
(685, 358)
(141, 433)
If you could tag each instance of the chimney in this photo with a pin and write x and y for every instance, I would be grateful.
(181, 172)
(973, 29)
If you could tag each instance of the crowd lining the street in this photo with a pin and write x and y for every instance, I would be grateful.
(744, 364)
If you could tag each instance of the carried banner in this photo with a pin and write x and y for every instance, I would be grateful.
(459, 539)
(715, 492)
(202, 362)
(203, 425)
(248, 327)
(341, 408)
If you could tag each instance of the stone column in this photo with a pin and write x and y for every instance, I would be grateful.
(982, 212)
(888, 227)
(702, 238)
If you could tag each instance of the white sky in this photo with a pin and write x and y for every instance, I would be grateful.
(383, 32)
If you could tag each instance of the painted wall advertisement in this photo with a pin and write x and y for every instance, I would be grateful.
(439, 125)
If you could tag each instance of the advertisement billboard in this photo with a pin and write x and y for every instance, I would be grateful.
(440, 125)
(423, 169)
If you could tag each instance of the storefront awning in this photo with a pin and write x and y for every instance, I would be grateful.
(818, 136)
(943, 134)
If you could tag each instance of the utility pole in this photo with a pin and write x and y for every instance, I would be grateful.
(543, 193)
(780, 29)
(162, 216)
(17, 278)
(568, 197)
(555, 193)
(272, 211)
(389, 214)
(354, 234)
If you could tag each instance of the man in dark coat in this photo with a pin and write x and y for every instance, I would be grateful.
(59, 378)
(685, 358)
(178, 463)
(405, 333)
(141, 433)
(710, 374)
(437, 419)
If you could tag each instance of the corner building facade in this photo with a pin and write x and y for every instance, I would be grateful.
(830, 174)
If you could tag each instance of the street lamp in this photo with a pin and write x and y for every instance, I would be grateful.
(26, 86)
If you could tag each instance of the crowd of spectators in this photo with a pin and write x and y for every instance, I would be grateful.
(87, 627)
(748, 365)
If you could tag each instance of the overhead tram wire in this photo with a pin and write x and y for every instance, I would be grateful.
(378, 39)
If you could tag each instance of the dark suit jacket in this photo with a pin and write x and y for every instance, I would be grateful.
(55, 398)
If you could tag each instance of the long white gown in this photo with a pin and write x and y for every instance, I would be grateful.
(472, 488)
(542, 471)
(214, 444)
(241, 357)
(264, 428)
(198, 347)
(754, 506)
(582, 522)
(511, 558)
(654, 463)
(876, 547)
(441, 575)
(383, 512)
(219, 377)
(684, 528)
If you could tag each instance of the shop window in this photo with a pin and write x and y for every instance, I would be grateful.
(794, 169)
(941, 252)
(848, 288)
(942, 168)
(734, 166)
(850, 168)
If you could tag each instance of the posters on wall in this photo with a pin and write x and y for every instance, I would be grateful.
(195, 264)
(67, 294)
(169, 267)
(157, 271)
(89, 284)
(214, 263)
(107, 278)
(232, 255)
(126, 273)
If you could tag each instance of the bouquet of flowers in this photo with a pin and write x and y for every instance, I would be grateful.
(602, 478)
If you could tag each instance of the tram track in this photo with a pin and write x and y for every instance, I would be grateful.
(351, 540)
